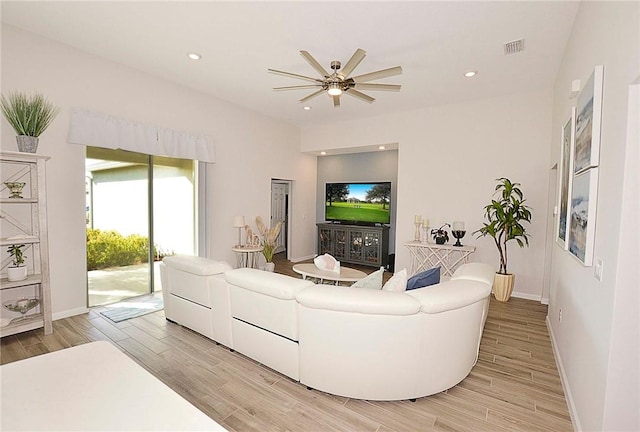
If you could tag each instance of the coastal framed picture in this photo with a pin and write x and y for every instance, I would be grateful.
(582, 216)
(588, 120)
(565, 180)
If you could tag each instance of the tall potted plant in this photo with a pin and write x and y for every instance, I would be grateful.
(504, 218)
(17, 271)
(269, 237)
(29, 116)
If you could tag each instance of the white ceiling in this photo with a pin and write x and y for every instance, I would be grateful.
(434, 42)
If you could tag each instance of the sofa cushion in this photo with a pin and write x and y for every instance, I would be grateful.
(349, 299)
(397, 283)
(423, 279)
(271, 284)
(372, 281)
(450, 295)
(196, 265)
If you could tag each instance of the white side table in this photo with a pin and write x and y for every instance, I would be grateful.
(247, 256)
(428, 255)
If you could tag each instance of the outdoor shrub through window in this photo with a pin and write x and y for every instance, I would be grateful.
(125, 240)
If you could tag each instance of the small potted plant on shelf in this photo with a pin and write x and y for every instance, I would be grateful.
(505, 216)
(29, 116)
(18, 270)
(440, 235)
(269, 237)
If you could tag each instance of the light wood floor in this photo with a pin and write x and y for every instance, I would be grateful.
(514, 386)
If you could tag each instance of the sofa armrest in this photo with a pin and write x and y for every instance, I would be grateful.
(453, 294)
(480, 272)
(365, 301)
(196, 265)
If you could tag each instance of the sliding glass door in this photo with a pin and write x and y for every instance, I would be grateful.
(140, 208)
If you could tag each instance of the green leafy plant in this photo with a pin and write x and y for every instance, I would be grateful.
(28, 115)
(16, 254)
(440, 235)
(504, 218)
(269, 237)
(111, 249)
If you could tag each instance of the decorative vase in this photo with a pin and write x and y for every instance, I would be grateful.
(27, 144)
(16, 273)
(15, 188)
(269, 266)
(503, 286)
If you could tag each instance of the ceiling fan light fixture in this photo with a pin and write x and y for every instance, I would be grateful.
(334, 89)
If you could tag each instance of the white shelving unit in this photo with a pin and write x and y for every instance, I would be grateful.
(24, 221)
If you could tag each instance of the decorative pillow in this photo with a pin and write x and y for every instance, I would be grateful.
(327, 262)
(372, 281)
(398, 282)
(425, 278)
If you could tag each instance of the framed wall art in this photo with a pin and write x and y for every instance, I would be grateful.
(588, 119)
(565, 180)
(582, 216)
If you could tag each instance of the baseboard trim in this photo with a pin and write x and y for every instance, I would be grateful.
(70, 313)
(575, 421)
(527, 296)
(304, 258)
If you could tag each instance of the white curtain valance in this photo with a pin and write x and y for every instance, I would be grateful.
(101, 130)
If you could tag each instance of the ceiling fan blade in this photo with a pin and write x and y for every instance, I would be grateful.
(314, 64)
(373, 86)
(336, 101)
(359, 95)
(353, 62)
(310, 86)
(384, 73)
(289, 74)
(312, 95)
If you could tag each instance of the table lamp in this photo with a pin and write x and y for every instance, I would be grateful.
(238, 222)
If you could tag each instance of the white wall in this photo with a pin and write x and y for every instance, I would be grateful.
(599, 316)
(251, 149)
(448, 160)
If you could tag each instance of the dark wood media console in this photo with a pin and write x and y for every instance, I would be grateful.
(357, 244)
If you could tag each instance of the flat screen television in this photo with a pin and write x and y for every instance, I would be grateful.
(358, 203)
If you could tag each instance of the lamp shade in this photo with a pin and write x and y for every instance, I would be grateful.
(238, 222)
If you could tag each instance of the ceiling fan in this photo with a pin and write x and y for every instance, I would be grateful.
(339, 82)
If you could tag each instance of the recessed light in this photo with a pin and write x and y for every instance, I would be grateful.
(323, 153)
(381, 148)
(307, 108)
(194, 56)
(470, 74)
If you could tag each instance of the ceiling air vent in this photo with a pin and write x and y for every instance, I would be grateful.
(514, 47)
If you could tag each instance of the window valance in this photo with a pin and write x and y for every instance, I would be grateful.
(101, 130)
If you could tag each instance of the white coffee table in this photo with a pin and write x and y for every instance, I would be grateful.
(346, 274)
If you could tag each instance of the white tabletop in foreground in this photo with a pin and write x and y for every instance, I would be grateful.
(346, 274)
(92, 387)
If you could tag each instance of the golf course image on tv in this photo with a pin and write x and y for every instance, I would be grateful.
(358, 202)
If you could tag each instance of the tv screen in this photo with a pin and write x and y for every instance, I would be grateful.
(358, 202)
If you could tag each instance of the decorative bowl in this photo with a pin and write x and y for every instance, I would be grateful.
(22, 305)
(15, 188)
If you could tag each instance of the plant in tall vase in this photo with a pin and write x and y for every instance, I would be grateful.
(504, 218)
(29, 116)
(268, 241)
(18, 270)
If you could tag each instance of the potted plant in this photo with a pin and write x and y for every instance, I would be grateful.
(504, 218)
(269, 237)
(29, 116)
(18, 271)
(440, 235)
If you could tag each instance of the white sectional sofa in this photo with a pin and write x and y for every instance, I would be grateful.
(352, 342)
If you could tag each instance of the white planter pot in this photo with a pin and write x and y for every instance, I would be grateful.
(270, 267)
(16, 273)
